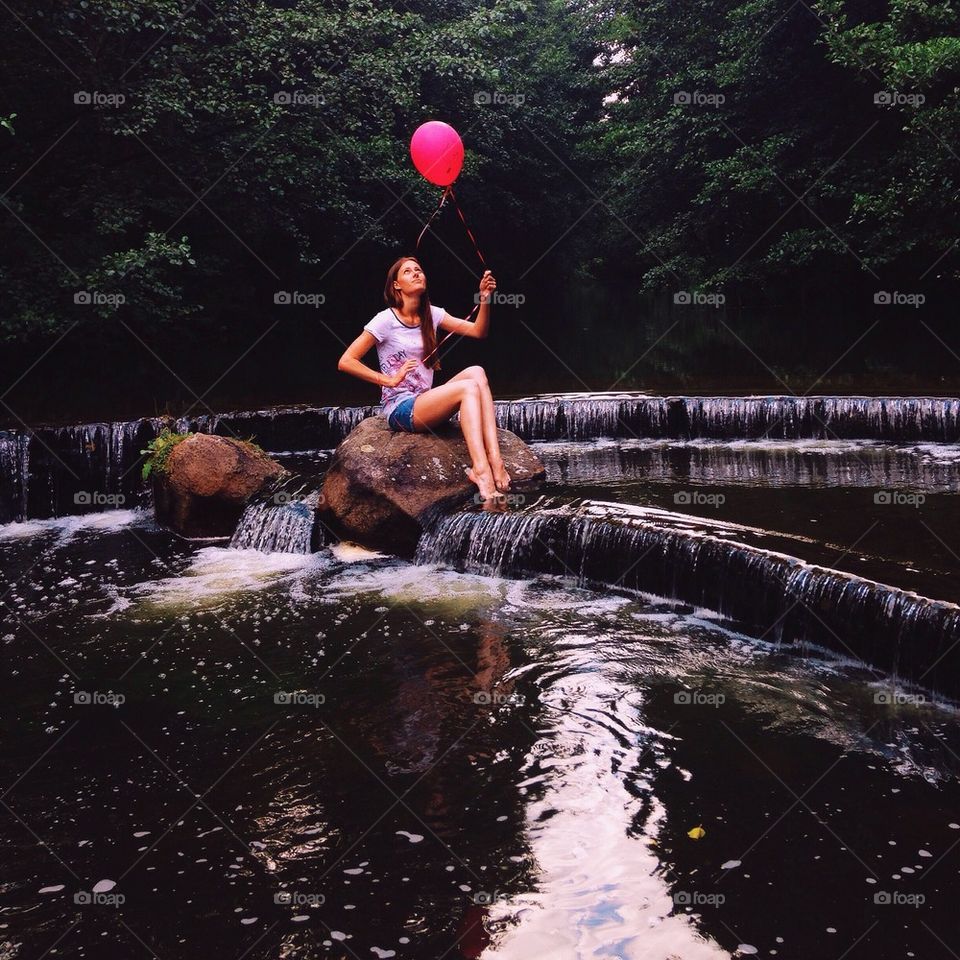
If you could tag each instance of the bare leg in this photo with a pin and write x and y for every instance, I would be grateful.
(433, 407)
(489, 414)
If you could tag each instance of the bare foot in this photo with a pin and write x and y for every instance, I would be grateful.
(484, 482)
(500, 476)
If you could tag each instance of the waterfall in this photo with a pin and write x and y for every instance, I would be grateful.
(282, 518)
(51, 471)
(14, 474)
(806, 463)
(585, 417)
(43, 469)
(774, 596)
(930, 419)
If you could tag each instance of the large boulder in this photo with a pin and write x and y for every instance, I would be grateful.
(207, 483)
(383, 486)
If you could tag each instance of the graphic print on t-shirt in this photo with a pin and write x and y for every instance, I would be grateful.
(396, 342)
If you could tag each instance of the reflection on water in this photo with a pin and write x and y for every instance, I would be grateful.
(343, 755)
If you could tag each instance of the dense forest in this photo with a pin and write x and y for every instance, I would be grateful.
(169, 167)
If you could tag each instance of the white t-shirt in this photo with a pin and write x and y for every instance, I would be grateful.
(397, 342)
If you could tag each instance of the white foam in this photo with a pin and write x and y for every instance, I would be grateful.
(65, 528)
(408, 583)
(216, 573)
(348, 552)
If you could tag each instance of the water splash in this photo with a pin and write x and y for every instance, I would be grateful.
(218, 577)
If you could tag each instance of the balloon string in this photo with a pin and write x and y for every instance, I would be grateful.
(448, 192)
(463, 220)
(426, 226)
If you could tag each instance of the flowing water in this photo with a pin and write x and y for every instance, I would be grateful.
(691, 701)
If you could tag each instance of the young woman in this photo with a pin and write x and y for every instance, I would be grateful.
(405, 335)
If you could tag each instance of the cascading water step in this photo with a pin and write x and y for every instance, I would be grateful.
(282, 518)
(586, 416)
(55, 470)
(931, 468)
(739, 572)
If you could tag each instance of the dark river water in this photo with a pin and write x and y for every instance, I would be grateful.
(232, 753)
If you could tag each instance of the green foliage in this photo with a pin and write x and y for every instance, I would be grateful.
(218, 148)
(908, 56)
(158, 451)
(177, 163)
(806, 155)
(159, 448)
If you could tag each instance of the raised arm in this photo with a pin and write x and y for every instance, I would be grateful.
(479, 328)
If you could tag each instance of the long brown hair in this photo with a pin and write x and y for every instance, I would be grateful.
(393, 298)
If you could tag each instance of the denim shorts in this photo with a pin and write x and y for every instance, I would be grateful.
(402, 416)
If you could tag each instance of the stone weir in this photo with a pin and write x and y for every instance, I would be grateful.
(56, 470)
(49, 471)
(773, 596)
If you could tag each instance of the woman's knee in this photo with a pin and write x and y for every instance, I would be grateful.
(469, 395)
(469, 387)
(477, 374)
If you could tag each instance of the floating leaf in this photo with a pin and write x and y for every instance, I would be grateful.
(697, 833)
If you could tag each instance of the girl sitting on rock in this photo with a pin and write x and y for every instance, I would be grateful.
(405, 335)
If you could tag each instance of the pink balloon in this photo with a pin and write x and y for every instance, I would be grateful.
(437, 152)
